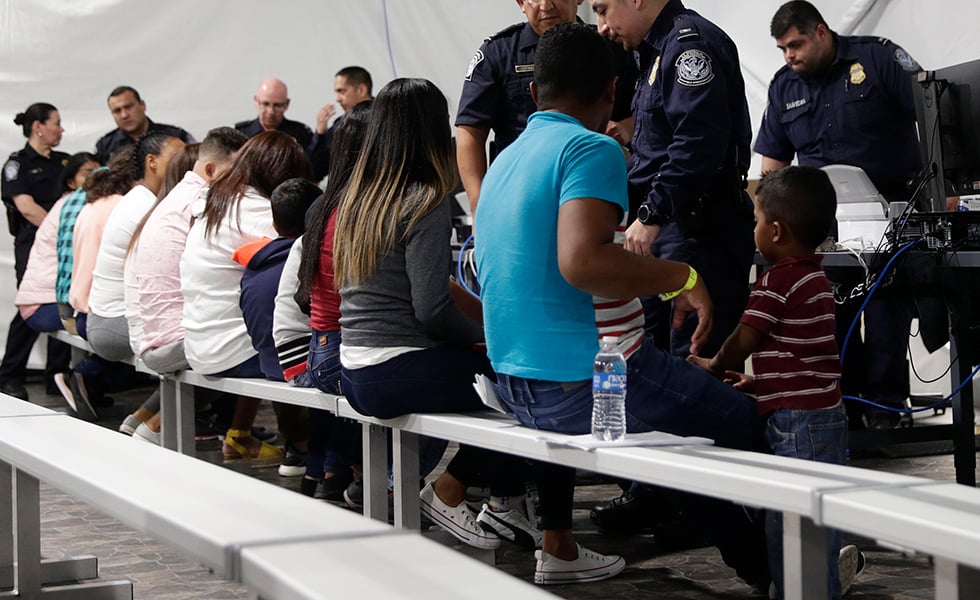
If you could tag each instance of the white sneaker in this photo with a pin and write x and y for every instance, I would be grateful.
(589, 566)
(129, 425)
(476, 497)
(144, 434)
(61, 382)
(457, 520)
(510, 525)
(850, 562)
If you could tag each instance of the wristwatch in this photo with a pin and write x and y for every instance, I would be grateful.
(648, 217)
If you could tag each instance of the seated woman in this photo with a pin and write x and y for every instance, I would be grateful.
(406, 346)
(237, 211)
(35, 297)
(334, 443)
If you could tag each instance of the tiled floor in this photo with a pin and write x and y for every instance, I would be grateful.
(159, 572)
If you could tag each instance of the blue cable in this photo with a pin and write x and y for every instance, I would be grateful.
(933, 406)
(459, 268)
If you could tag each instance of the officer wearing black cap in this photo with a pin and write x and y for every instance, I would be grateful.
(496, 91)
(129, 112)
(848, 100)
(31, 186)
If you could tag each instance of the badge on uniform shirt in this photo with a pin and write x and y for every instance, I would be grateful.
(857, 74)
(694, 68)
(904, 59)
(477, 59)
(653, 71)
(11, 169)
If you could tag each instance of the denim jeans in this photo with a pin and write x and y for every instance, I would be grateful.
(45, 318)
(335, 444)
(819, 435)
(663, 393)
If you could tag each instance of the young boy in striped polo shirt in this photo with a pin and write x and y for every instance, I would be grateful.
(788, 329)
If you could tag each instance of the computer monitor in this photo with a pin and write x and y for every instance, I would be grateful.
(947, 105)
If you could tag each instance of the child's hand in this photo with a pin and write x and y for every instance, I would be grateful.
(740, 381)
(705, 363)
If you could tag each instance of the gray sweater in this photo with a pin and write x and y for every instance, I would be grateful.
(406, 301)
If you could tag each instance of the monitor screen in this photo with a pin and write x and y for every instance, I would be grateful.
(947, 103)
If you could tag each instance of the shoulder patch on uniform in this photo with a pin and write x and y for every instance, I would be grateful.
(476, 60)
(11, 169)
(906, 61)
(506, 31)
(694, 68)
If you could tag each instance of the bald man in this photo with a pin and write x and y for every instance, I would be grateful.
(271, 102)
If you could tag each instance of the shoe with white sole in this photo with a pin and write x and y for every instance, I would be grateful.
(129, 425)
(457, 520)
(144, 434)
(850, 562)
(510, 525)
(589, 566)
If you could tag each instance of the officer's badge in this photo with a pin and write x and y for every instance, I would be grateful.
(857, 74)
(694, 68)
(11, 169)
(906, 61)
(653, 71)
(477, 59)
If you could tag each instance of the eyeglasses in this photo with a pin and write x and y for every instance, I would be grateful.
(277, 106)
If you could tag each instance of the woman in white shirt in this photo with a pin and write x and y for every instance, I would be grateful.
(237, 211)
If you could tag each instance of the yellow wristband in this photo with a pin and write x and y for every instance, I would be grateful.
(692, 280)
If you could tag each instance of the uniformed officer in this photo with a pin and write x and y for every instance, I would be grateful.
(496, 90)
(271, 102)
(129, 112)
(31, 185)
(690, 157)
(848, 100)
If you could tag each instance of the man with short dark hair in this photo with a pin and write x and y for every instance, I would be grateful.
(272, 102)
(129, 112)
(352, 85)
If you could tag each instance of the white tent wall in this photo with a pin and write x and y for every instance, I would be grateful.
(197, 62)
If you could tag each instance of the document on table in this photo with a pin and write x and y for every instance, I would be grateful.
(650, 438)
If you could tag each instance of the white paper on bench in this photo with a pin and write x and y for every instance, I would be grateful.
(649, 438)
(488, 394)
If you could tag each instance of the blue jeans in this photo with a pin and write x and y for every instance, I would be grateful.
(335, 444)
(819, 435)
(663, 393)
(45, 318)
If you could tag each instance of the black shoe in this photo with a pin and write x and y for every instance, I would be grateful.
(354, 494)
(17, 390)
(332, 489)
(883, 419)
(293, 463)
(626, 514)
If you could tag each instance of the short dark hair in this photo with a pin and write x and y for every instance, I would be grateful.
(797, 13)
(39, 111)
(802, 199)
(122, 89)
(572, 61)
(290, 201)
(74, 164)
(356, 76)
(222, 142)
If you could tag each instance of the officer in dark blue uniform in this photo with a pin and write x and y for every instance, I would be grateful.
(31, 186)
(129, 112)
(271, 102)
(690, 158)
(848, 100)
(687, 174)
(496, 91)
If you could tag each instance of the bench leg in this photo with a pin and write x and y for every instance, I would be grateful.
(804, 559)
(405, 463)
(27, 534)
(955, 581)
(375, 465)
(177, 416)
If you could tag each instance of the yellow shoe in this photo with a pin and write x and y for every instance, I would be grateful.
(266, 455)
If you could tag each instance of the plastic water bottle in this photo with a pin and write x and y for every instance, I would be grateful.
(609, 393)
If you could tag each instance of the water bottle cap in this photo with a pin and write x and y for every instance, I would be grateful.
(609, 339)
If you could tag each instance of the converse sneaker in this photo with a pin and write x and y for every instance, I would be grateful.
(510, 525)
(589, 566)
(476, 497)
(850, 562)
(457, 520)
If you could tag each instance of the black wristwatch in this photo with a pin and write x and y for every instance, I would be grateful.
(648, 217)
